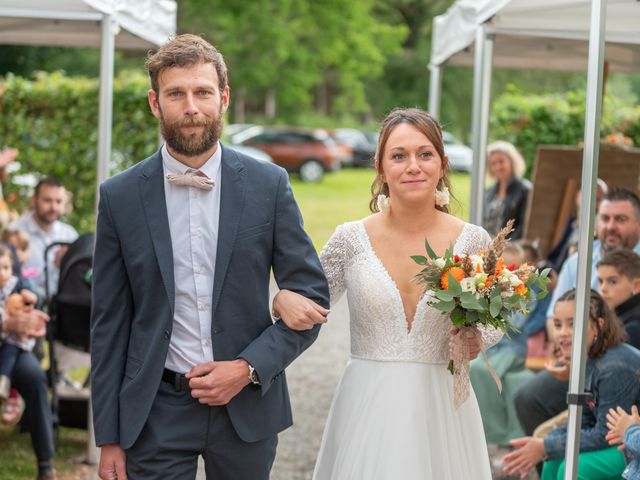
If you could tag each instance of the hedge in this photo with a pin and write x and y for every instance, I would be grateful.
(557, 119)
(53, 121)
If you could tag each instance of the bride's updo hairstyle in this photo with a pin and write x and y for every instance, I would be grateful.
(426, 124)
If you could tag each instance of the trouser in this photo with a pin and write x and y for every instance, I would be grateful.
(8, 357)
(179, 430)
(607, 464)
(539, 399)
(31, 381)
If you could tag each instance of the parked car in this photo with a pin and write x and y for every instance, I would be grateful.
(309, 152)
(363, 150)
(252, 152)
(460, 156)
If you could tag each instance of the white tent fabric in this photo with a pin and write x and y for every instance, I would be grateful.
(553, 33)
(76, 23)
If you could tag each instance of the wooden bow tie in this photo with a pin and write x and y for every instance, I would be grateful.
(191, 179)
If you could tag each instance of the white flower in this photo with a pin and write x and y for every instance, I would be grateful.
(383, 203)
(442, 197)
(468, 285)
(439, 262)
(477, 261)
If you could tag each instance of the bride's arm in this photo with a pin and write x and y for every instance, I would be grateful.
(300, 313)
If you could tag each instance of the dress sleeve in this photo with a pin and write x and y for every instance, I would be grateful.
(333, 258)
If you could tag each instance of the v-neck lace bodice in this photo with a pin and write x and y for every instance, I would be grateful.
(378, 321)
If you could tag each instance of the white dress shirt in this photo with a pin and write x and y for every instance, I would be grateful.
(39, 240)
(193, 222)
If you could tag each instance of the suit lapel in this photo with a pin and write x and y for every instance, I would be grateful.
(233, 186)
(155, 206)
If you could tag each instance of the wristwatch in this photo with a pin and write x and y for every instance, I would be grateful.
(253, 375)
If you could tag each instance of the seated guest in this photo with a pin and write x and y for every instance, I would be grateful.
(507, 198)
(611, 375)
(31, 382)
(44, 227)
(619, 285)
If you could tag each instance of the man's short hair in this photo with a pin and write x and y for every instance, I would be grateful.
(49, 182)
(184, 51)
(625, 261)
(619, 194)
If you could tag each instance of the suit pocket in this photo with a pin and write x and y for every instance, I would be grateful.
(254, 231)
(132, 367)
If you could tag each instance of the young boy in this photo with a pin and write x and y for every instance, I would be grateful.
(619, 285)
(11, 345)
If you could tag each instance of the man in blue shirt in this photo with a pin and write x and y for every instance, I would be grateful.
(618, 226)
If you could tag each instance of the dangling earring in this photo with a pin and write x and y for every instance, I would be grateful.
(384, 203)
(442, 197)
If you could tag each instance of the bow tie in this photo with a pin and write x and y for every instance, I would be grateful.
(191, 178)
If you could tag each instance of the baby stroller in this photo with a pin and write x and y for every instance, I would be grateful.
(69, 327)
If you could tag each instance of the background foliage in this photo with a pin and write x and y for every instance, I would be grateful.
(53, 120)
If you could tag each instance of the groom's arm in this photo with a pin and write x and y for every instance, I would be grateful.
(296, 267)
(111, 315)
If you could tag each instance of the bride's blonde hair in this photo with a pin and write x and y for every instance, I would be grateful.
(427, 125)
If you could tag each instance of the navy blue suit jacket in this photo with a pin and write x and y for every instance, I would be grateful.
(260, 230)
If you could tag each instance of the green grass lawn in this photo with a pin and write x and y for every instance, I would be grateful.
(18, 462)
(344, 196)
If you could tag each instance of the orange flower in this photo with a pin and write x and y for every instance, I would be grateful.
(489, 281)
(456, 272)
(521, 290)
(499, 266)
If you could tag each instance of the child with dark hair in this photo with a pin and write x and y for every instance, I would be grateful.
(619, 285)
(611, 375)
(11, 344)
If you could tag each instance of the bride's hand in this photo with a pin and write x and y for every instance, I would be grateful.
(298, 312)
(470, 337)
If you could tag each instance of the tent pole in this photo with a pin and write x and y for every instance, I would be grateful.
(575, 397)
(106, 100)
(480, 123)
(435, 90)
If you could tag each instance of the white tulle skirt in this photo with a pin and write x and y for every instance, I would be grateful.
(396, 421)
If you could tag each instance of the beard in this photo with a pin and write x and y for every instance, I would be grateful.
(195, 143)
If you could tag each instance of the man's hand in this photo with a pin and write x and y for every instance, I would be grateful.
(529, 451)
(216, 383)
(112, 463)
(298, 312)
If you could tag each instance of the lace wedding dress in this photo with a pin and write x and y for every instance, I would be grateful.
(392, 416)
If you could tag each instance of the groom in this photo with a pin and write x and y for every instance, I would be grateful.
(186, 360)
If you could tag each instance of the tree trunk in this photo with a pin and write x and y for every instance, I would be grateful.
(239, 106)
(270, 104)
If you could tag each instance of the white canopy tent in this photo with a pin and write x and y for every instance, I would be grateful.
(129, 24)
(546, 34)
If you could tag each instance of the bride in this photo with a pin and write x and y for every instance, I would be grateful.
(393, 414)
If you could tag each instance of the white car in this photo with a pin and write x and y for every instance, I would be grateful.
(460, 156)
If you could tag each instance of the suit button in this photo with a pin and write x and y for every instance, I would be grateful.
(167, 334)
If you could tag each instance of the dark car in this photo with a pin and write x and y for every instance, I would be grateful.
(363, 150)
(309, 152)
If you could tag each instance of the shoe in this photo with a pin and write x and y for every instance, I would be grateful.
(50, 475)
(5, 387)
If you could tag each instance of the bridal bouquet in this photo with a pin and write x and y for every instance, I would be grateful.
(478, 290)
